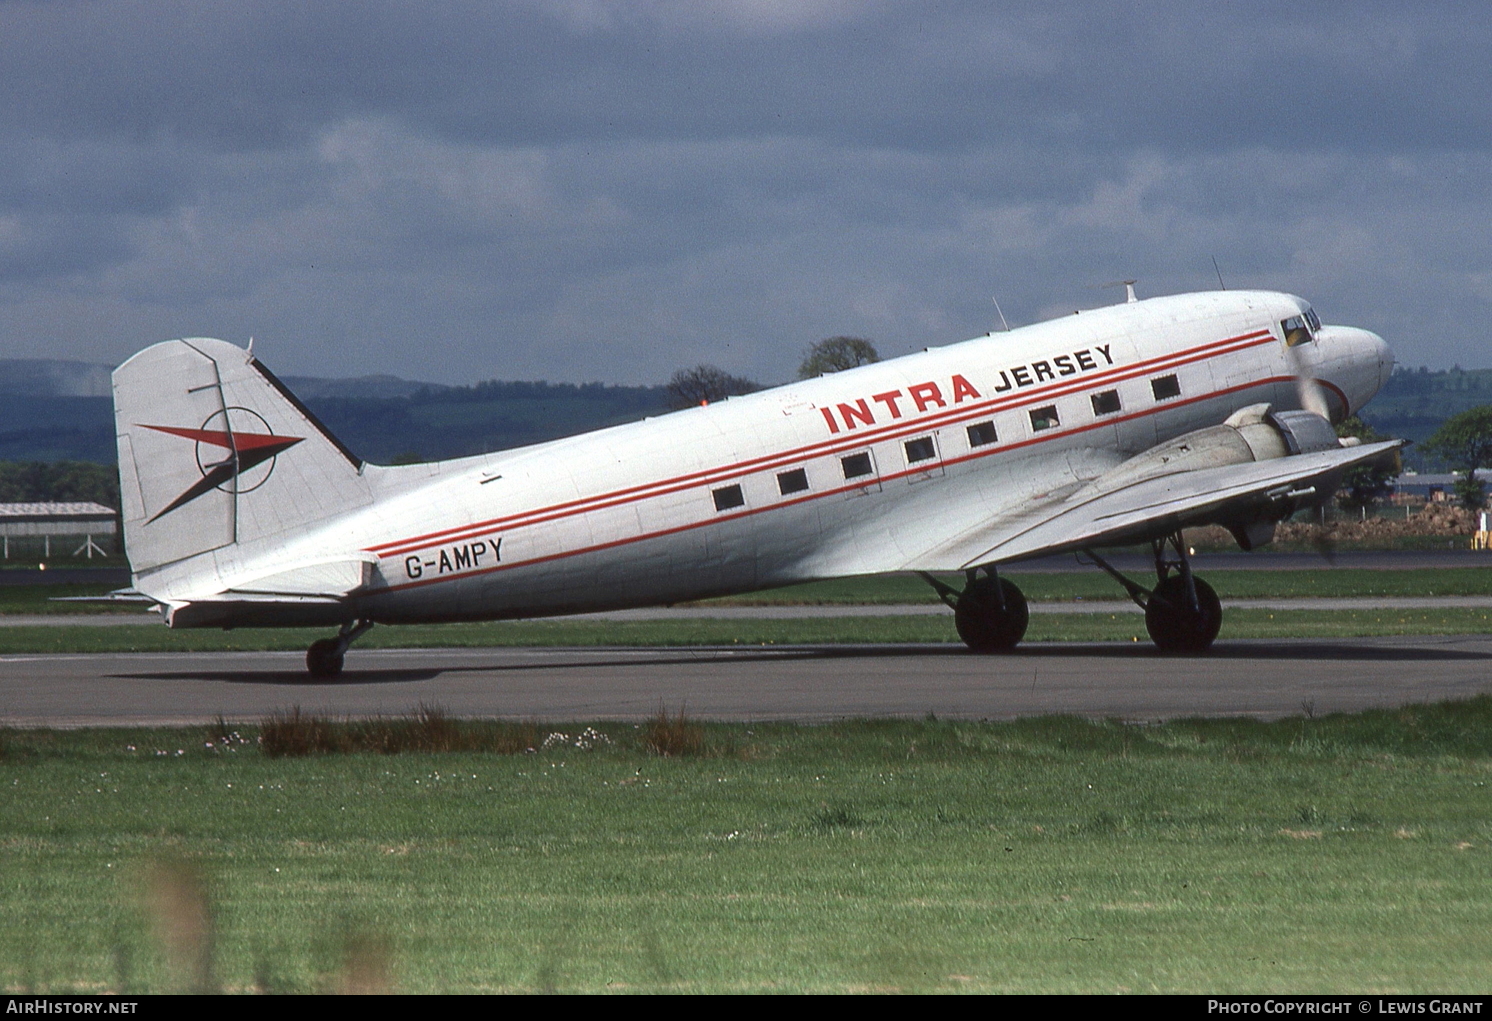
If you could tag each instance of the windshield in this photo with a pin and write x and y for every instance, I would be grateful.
(1301, 329)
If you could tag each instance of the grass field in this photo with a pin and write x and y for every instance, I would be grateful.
(1333, 854)
(1073, 627)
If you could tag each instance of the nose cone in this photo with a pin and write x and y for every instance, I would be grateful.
(1385, 360)
(1355, 363)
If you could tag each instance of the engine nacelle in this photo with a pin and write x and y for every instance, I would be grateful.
(1254, 433)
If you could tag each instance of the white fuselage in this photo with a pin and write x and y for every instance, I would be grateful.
(864, 471)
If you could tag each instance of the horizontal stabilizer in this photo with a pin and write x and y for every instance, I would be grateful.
(231, 611)
(119, 595)
(334, 579)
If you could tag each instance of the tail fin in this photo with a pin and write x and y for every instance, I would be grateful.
(214, 450)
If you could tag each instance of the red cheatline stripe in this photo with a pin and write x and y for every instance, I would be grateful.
(850, 441)
(822, 448)
(880, 479)
(233, 441)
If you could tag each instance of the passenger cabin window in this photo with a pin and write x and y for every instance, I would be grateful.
(1106, 403)
(856, 465)
(982, 434)
(728, 498)
(1044, 418)
(792, 482)
(920, 449)
(1165, 387)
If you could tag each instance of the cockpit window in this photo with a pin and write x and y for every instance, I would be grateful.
(1301, 329)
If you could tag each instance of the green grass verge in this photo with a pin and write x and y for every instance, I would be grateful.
(1074, 627)
(1344, 583)
(31, 599)
(1345, 853)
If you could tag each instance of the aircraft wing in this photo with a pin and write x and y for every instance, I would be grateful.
(1100, 515)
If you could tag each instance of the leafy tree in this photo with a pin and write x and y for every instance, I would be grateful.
(1366, 484)
(1465, 443)
(703, 384)
(58, 482)
(1470, 492)
(837, 354)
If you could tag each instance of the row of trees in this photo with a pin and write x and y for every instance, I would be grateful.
(58, 482)
(706, 383)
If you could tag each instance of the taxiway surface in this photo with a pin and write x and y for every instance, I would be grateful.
(1254, 678)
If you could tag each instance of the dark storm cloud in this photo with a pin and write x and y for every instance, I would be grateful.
(947, 75)
(579, 188)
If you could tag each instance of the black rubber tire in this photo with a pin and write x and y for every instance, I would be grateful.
(1177, 628)
(324, 658)
(981, 623)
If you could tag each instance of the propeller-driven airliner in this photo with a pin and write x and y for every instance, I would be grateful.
(1115, 426)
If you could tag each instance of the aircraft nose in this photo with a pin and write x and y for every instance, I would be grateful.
(1358, 362)
(1385, 356)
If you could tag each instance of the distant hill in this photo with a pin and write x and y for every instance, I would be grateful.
(1416, 401)
(456, 421)
(52, 377)
(362, 387)
(43, 417)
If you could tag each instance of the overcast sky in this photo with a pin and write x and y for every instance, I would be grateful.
(581, 190)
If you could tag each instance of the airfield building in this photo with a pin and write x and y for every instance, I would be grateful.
(33, 524)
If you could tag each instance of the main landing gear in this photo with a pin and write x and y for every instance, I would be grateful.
(990, 613)
(324, 657)
(1182, 612)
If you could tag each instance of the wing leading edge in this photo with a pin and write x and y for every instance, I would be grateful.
(1103, 515)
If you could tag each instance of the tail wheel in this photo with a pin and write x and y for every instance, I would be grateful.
(324, 657)
(1174, 624)
(981, 621)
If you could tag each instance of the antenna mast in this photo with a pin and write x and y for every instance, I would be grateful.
(1003, 323)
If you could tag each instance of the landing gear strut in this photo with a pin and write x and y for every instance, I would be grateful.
(1182, 612)
(990, 613)
(324, 657)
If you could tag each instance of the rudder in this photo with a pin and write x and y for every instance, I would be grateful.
(214, 450)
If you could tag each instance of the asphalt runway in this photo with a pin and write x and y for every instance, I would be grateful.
(1265, 679)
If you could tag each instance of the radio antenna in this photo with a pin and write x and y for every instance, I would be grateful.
(1003, 323)
(1219, 274)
